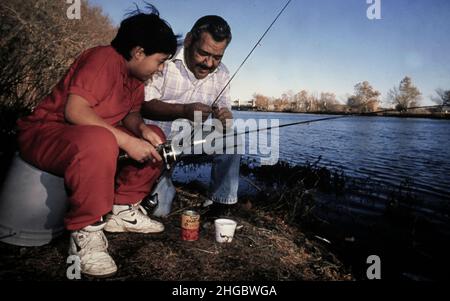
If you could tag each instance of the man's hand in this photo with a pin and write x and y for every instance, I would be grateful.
(190, 108)
(223, 114)
(141, 150)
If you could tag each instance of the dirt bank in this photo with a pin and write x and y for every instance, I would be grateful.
(264, 248)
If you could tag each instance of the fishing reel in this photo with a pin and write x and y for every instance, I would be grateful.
(168, 153)
(165, 150)
(159, 201)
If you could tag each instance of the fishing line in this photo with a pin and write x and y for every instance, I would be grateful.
(244, 61)
(250, 53)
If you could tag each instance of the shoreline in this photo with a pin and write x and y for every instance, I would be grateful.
(439, 116)
(264, 248)
(350, 218)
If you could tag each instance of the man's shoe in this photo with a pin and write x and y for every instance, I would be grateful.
(131, 218)
(217, 210)
(90, 245)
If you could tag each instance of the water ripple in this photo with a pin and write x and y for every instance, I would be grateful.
(389, 150)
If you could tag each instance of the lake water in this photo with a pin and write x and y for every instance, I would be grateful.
(388, 150)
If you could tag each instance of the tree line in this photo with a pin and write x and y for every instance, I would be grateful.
(38, 42)
(365, 99)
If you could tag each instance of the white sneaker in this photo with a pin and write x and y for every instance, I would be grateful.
(90, 245)
(131, 218)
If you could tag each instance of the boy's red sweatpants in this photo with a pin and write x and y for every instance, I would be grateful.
(86, 156)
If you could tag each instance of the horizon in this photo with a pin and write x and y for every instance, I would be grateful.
(322, 46)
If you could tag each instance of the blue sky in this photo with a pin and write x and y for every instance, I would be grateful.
(322, 45)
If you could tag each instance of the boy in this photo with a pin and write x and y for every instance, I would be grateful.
(78, 130)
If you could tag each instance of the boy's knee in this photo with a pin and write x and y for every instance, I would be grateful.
(98, 142)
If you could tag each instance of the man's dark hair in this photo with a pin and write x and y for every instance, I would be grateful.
(214, 25)
(146, 30)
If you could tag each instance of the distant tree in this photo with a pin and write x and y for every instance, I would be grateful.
(299, 101)
(281, 105)
(326, 102)
(289, 95)
(405, 96)
(261, 102)
(365, 98)
(443, 98)
(286, 100)
(312, 102)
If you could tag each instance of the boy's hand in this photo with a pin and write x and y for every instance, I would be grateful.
(150, 136)
(141, 150)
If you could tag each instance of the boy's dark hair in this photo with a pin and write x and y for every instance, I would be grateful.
(146, 30)
(214, 25)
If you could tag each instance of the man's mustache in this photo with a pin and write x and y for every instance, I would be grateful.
(204, 67)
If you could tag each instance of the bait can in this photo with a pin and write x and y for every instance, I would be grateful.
(190, 225)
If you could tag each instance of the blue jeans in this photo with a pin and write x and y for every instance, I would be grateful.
(224, 183)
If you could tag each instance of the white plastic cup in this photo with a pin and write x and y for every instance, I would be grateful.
(224, 229)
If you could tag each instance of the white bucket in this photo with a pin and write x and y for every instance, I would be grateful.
(32, 205)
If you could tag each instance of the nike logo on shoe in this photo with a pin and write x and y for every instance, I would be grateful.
(133, 222)
(78, 247)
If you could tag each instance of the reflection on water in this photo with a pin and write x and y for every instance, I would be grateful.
(384, 149)
(383, 153)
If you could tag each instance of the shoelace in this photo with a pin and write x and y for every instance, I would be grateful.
(139, 209)
(96, 241)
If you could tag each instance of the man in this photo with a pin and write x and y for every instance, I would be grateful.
(191, 82)
(77, 131)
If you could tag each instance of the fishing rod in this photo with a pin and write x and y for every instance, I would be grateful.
(166, 150)
(333, 118)
(170, 154)
(250, 53)
(213, 105)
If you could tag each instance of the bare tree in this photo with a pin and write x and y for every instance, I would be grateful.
(405, 96)
(281, 105)
(289, 95)
(365, 98)
(313, 102)
(261, 102)
(299, 101)
(326, 102)
(443, 98)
